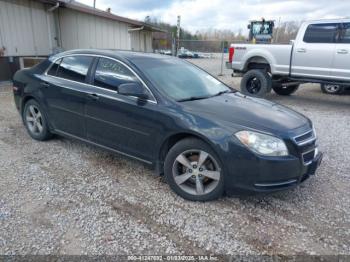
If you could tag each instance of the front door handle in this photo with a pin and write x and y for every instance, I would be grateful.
(342, 51)
(301, 50)
(45, 84)
(93, 96)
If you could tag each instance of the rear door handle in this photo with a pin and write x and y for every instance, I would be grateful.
(301, 50)
(93, 96)
(342, 51)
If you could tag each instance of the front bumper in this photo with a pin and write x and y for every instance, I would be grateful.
(310, 170)
(250, 172)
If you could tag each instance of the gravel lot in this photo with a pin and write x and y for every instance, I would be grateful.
(65, 197)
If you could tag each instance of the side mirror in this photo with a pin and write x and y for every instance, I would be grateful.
(248, 26)
(133, 89)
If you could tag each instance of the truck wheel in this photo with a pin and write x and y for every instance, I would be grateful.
(256, 83)
(332, 89)
(285, 90)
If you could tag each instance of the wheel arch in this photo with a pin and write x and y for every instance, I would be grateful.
(171, 140)
(28, 97)
(25, 99)
(257, 62)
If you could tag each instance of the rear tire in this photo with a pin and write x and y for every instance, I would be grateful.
(256, 83)
(193, 171)
(332, 89)
(284, 90)
(35, 121)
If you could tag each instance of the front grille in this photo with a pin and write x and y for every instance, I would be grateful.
(308, 157)
(306, 146)
(305, 138)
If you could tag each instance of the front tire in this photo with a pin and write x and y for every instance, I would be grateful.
(284, 90)
(256, 83)
(332, 89)
(193, 171)
(35, 121)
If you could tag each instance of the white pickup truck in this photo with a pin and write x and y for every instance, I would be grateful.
(319, 54)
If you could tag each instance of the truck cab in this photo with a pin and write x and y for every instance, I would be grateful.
(322, 51)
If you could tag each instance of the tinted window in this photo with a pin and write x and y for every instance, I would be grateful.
(345, 33)
(53, 69)
(74, 68)
(110, 74)
(321, 33)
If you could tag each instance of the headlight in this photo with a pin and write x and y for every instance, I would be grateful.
(262, 144)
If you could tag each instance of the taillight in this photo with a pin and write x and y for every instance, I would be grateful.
(231, 53)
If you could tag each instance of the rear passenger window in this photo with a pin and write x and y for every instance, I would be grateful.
(110, 74)
(53, 69)
(321, 33)
(344, 36)
(74, 68)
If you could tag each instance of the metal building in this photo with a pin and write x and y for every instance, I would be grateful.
(30, 29)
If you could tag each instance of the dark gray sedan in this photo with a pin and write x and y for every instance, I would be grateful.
(203, 136)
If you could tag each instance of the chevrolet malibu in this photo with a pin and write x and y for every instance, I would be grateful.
(206, 138)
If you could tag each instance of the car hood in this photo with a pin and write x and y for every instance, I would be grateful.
(247, 111)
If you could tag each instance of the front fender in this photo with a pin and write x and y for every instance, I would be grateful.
(212, 133)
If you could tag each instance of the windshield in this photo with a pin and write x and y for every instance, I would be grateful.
(181, 80)
(260, 28)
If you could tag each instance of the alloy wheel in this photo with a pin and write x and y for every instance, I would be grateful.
(34, 120)
(196, 172)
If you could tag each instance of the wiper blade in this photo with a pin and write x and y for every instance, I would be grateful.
(192, 98)
(223, 92)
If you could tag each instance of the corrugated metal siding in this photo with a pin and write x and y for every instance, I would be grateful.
(24, 28)
(141, 41)
(79, 30)
(149, 42)
(146, 41)
(135, 40)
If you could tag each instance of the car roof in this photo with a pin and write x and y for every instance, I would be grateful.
(119, 54)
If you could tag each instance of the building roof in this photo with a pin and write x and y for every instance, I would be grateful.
(94, 11)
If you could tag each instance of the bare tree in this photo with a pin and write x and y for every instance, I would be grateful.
(286, 31)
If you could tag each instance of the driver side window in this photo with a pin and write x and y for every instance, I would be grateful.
(110, 74)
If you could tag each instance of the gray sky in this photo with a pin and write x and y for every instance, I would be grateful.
(225, 14)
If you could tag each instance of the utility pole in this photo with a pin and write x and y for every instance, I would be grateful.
(173, 44)
(94, 4)
(222, 57)
(278, 30)
(178, 34)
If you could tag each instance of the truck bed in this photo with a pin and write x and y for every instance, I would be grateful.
(276, 55)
